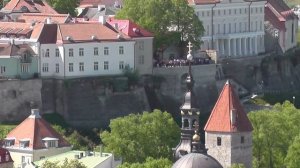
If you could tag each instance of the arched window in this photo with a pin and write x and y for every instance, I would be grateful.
(185, 123)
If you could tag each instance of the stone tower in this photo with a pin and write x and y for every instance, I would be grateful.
(228, 131)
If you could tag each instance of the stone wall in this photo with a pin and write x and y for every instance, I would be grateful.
(16, 95)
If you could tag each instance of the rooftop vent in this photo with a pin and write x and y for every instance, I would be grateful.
(119, 36)
(93, 37)
(69, 38)
(136, 30)
(35, 113)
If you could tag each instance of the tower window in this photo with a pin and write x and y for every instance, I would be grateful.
(242, 139)
(219, 141)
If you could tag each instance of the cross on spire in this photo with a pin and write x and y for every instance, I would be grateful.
(190, 47)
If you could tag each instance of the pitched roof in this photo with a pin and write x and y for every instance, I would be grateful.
(20, 29)
(93, 13)
(5, 156)
(42, 17)
(36, 6)
(129, 28)
(84, 32)
(35, 129)
(220, 119)
(8, 50)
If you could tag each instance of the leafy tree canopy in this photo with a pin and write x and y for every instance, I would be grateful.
(293, 156)
(149, 163)
(171, 21)
(138, 136)
(66, 164)
(275, 130)
(65, 6)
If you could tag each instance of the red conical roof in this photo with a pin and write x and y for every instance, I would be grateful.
(35, 129)
(220, 117)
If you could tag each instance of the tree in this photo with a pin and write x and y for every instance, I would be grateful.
(159, 16)
(149, 163)
(238, 166)
(66, 164)
(138, 136)
(292, 159)
(65, 6)
(274, 131)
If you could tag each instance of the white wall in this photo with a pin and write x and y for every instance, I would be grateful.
(88, 59)
(144, 48)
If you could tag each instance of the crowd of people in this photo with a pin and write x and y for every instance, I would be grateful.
(181, 62)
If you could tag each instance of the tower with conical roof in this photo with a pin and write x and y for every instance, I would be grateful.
(228, 131)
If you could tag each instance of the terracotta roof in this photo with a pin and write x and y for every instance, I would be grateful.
(220, 117)
(84, 32)
(129, 28)
(42, 17)
(37, 6)
(35, 129)
(14, 50)
(280, 9)
(5, 156)
(274, 17)
(91, 3)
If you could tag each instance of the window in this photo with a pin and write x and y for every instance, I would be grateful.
(106, 65)
(52, 144)
(121, 50)
(245, 24)
(71, 67)
(71, 54)
(6, 157)
(224, 28)
(218, 28)
(141, 59)
(224, 12)
(81, 52)
(45, 67)
(96, 65)
(229, 27)
(81, 66)
(229, 11)
(141, 45)
(23, 159)
(9, 142)
(121, 65)
(47, 54)
(219, 141)
(240, 11)
(260, 26)
(240, 26)
(202, 13)
(261, 10)
(242, 139)
(2, 69)
(24, 143)
(57, 52)
(207, 30)
(25, 68)
(106, 51)
(57, 68)
(96, 52)
(207, 13)
(219, 12)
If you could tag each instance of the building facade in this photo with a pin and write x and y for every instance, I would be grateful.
(83, 50)
(232, 28)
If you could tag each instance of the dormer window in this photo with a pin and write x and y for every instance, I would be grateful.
(50, 142)
(24, 143)
(9, 142)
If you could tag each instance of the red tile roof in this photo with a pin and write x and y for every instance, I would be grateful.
(220, 117)
(37, 6)
(129, 28)
(83, 32)
(5, 156)
(35, 129)
(20, 29)
(41, 17)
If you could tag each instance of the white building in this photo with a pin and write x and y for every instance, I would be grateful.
(81, 50)
(233, 28)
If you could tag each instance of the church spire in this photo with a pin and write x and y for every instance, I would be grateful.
(190, 140)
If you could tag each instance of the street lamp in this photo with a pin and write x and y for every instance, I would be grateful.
(294, 100)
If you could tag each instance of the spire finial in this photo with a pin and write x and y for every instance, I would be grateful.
(189, 56)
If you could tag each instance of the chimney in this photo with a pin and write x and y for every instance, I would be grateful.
(48, 20)
(101, 7)
(233, 116)
(102, 19)
(116, 26)
(35, 113)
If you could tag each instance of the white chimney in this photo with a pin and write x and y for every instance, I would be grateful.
(233, 116)
(102, 19)
(48, 20)
(101, 7)
(35, 113)
(116, 26)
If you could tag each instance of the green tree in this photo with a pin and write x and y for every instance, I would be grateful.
(159, 16)
(274, 131)
(292, 159)
(149, 163)
(138, 136)
(238, 166)
(65, 164)
(65, 6)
